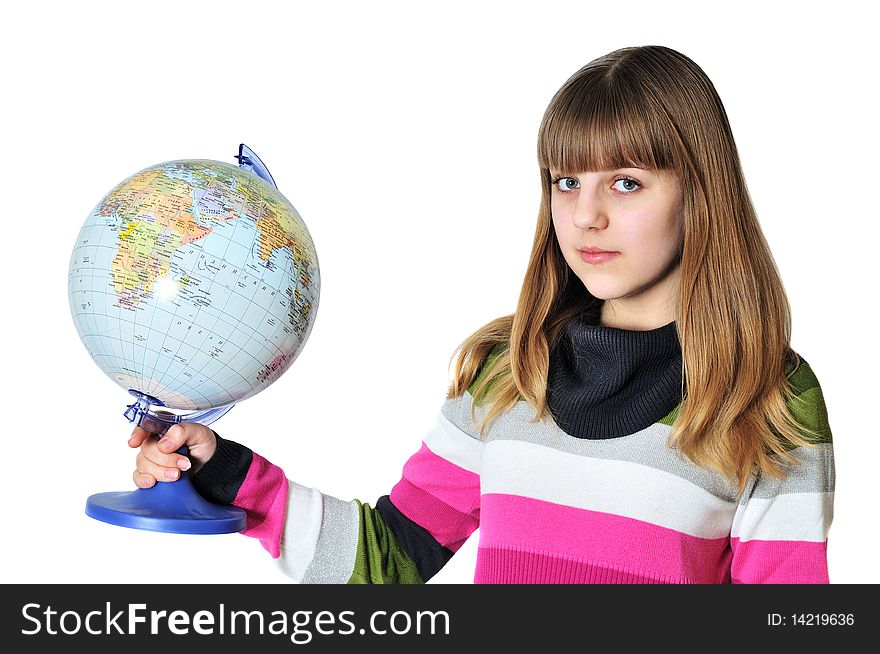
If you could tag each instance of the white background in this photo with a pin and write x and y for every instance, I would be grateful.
(404, 134)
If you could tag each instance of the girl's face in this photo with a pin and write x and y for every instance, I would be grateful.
(635, 213)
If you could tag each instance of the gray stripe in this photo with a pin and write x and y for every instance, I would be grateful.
(337, 543)
(647, 447)
(815, 474)
(458, 412)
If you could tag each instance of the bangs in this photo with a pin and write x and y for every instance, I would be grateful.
(596, 124)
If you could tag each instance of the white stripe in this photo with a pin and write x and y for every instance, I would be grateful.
(790, 516)
(448, 441)
(302, 525)
(622, 488)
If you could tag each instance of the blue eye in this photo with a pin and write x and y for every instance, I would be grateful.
(628, 190)
(569, 184)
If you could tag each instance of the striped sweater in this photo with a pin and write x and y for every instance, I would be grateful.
(550, 508)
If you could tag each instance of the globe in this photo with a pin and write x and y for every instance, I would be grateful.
(194, 285)
(195, 282)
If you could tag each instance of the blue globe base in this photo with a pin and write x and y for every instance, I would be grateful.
(173, 507)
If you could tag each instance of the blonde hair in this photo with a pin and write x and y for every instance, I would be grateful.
(652, 107)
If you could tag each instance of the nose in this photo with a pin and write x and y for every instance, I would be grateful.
(589, 210)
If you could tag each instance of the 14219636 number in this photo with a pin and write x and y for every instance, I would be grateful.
(810, 619)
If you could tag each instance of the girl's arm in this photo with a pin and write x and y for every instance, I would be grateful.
(406, 538)
(780, 529)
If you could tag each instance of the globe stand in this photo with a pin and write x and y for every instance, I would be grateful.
(173, 506)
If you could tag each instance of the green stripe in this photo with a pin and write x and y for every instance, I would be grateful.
(807, 406)
(670, 417)
(802, 379)
(809, 410)
(493, 354)
(808, 403)
(379, 559)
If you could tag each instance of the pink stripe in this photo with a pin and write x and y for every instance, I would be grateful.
(602, 540)
(263, 495)
(443, 479)
(779, 562)
(513, 566)
(439, 496)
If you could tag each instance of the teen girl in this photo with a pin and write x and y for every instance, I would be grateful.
(640, 417)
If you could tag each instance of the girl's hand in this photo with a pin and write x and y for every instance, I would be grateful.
(158, 460)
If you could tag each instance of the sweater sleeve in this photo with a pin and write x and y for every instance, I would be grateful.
(780, 530)
(407, 537)
(236, 475)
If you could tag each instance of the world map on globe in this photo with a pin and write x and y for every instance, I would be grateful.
(194, 281)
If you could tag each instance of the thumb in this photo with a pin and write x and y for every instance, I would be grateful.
(173, 439)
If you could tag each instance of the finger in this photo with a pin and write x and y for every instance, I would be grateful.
(173, 459)
(142, 480)
(173, 439)
(159, 471)
(138, 436)
(162, 459)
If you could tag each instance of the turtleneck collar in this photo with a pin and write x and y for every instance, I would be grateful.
(606, 382)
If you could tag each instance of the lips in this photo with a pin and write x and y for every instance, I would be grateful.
(595, 255)
(592, 250)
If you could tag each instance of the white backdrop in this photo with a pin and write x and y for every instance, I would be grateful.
(404, 134)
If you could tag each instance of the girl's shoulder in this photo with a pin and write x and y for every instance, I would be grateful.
(799, 373)
(807, 403)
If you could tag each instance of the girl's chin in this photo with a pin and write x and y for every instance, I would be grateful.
(605, 293)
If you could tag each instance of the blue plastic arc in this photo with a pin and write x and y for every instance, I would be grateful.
(249, 160)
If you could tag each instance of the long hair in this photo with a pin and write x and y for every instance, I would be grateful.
(652, 107)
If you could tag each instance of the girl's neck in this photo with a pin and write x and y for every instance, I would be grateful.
(634, 319)
(648, 308)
